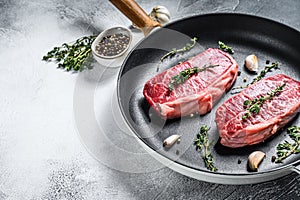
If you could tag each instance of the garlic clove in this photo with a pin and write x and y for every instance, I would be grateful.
(254, 159)
(162, 18)
(160, 14)
(168, 142)
(251, 63)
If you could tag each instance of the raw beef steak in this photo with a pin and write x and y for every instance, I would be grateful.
(274, 114)
(197, 94)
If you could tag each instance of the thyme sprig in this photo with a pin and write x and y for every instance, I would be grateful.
(71, 56)
(286, 149)
(253, 106)
(174, 51)
(261, 75)
(185, 75)
(225, 48)
(204, 145)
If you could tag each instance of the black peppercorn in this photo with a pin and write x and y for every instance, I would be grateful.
(112, 45)
(273, 158)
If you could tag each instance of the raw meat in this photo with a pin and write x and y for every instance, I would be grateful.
(273, 115)
(197, 94)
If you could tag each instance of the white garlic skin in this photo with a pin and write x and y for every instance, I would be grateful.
(255, 158)
(251, 62)
(160, 14)
(168, 142)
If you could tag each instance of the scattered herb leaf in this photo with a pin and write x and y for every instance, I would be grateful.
(187, 47)
(203, 144)
(71, 56)
(225, 48)
(286, 149)
(185, 75)
(253, 106)
(262, 74)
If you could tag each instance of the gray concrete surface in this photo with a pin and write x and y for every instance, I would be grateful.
(41, 153)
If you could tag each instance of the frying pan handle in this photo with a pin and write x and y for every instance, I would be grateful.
(136, 14)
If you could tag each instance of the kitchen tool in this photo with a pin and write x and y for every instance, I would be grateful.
(136, 14)
(116, 60)
(107, 32)
(269, 40)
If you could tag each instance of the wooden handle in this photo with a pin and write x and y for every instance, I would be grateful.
(136, 14)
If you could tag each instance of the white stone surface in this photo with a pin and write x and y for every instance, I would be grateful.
(41, 154)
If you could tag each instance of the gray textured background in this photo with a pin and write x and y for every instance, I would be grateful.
(41, 156)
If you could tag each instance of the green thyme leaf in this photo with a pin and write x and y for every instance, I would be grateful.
(202, 143)
(253, 106)
(262, 74)
(286, 148)
(71, 56)
(174, 51)
(225, 48)
(186, 74)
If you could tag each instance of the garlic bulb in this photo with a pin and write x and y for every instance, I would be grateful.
(160, 14)
(251, 63)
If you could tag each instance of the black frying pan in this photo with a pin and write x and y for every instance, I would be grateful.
(268, 39)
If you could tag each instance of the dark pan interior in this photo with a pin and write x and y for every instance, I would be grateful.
(267, 39)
